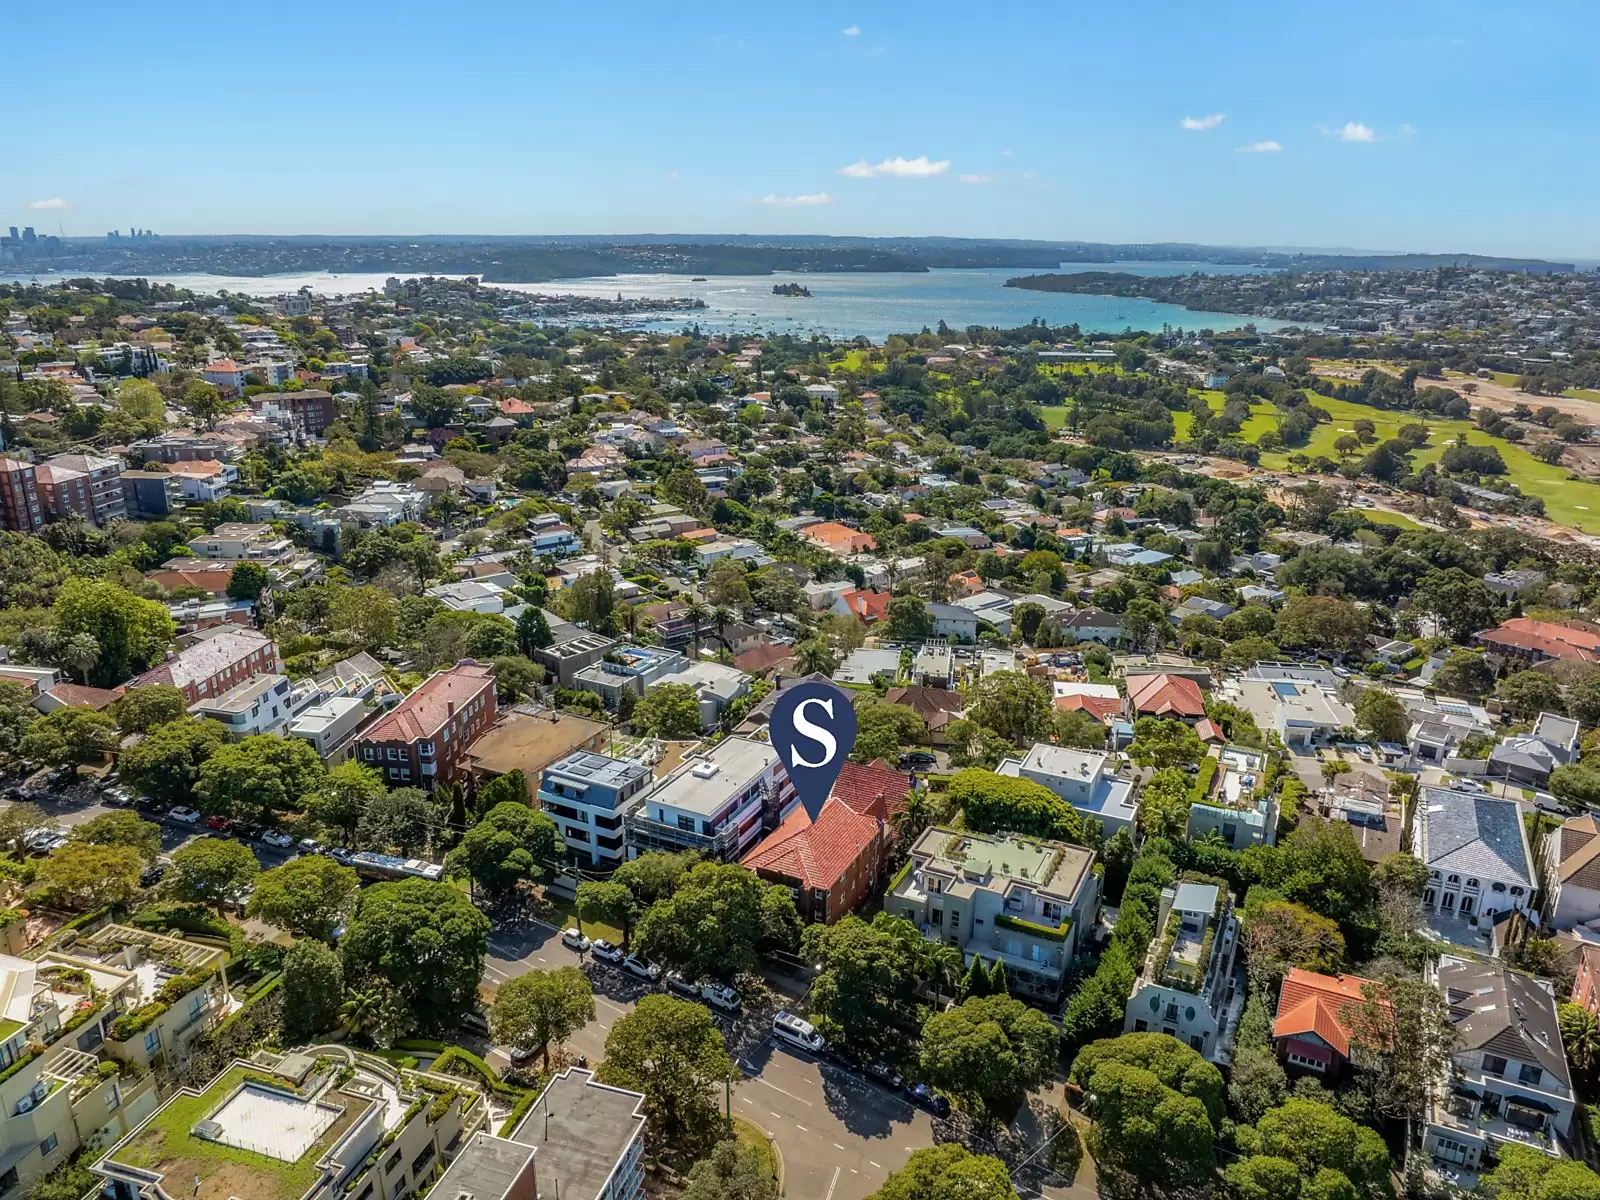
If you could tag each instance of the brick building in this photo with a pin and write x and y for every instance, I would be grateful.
(87, 485)
(216, 663)
(423, 741)
(19, 496)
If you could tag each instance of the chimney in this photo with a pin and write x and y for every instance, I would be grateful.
(450, 708)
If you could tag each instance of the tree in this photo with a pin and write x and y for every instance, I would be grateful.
(17, 821)
(1144, 1126)
(1466, 673)
(1576, 784)
(1028, 617)
(668, 710)
(1164, 742)
(512, 787)
(121, 829)
(947, 1171)
(344, 795)
(727, 584)
(732, 1171)
(1145, 624)
(607, 901)
(131, 632)
(1164, 806)
(207, 869)
(533, 631)
(716, 920)
(85, 876)
(1319, 865)
(673, 1052)
(1461, 603)
(1528, 1173)
(867, 986)
(248, 581)
(1317, 1140)
(909, 619)
(1402, 1037)
(541, 1007)
(309, 897)
(80, 652)
(1075, 727)
(1580, 1035)
(993, 802)
(369, 614)
(1011, 704)
(1583, 701)
(166, 764)
(70, 735)
(515, 677)
(1526, 694)
(143, 709)
(203, 402)
(653, 876)
(1322, 623)
(591, 601)
(814, 657)
(425, 940)
(404, 820)
(258, 777)
(1280, 934)
(313, 986)
(988, 1052)
(1382, 715)
(883, 728)
(512, 843)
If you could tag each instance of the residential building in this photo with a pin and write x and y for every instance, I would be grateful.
(934, 664)
(1377, 822)
(1302, 714)
(865, 606)
(241, 541)
(475, 595)
(838, 539)
(1000, 897)
(629, 669)
(384, 503)
(1508, 1082)
(862, 664)
(716, 686)
(1176, 696)
(328, 725)
(313, 409)
(1586, 977)
(20, 510)
(1510, 584)
(422, 741)
(954, 622)
(587, 795)
(830, 865)
(937, 706)
(719, 803)
(280, 1127)
(572, 649)
(262, 704)
(204, 479)
(150, 493)
(873, 789)
(224, 373)
(1315, 1021)
(1232, 807)
(1528, 759)
(530, 741)
(1093, 625)
(1085, 779)
(1534, 641)
(1476, 850)
(588, 1139)
(1186, 985)
(221, 660)
(85, 485)
(1574, 879)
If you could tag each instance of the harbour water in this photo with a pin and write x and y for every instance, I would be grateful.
(872, 305)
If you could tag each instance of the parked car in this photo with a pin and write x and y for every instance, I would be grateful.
(605, 951)
(42, 841)
(677, 984)
(341, 855)
(720, 995)
(918, 758)
(118, 798)
(519, 1055)
(884, 1074)
(219, 823)
(798, 1032)
(108, 782)
(573, 940)
(634, 965)
(925, 1097)
(312, 846)
(187, 816)
(278, 838)
(150, 804)
(246, 832)
(153, 874)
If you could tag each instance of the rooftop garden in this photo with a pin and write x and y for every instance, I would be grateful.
(1049, 933)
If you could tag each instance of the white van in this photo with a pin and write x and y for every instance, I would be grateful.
(787, 1027)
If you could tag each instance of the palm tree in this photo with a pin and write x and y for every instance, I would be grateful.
(720, 616)
(81, 652)
(1580, 1034)
(943, 965)
(696, 614)
(361, 1011)
(813, 657)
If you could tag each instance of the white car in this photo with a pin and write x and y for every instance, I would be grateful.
(604, 950)
(634, 965)
(720, 995)
(278, 838)
(574, 940)
(787, 1027)
(188, 816)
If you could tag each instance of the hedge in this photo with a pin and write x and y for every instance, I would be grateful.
(519, 1111)
(1050, 933)
(1203, 778)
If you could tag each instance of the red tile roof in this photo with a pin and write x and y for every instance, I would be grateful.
(1166, 695)
(840, 539)
(1545, 637)
(817, 854)
(1207, 731)
(762, 658)
(1104, 709)
(425, 711)
(76, 695)
(873, 789)
(866, 606)
(1319, 1004)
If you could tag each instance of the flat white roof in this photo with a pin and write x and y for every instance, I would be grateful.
(693, 787)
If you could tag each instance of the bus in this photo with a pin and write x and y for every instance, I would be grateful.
(382, 867)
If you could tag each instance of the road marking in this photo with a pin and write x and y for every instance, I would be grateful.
(802, 1129)
(836, 1146)
(774, 1115)
(787, 1093)
(542, 958)
(853, 1171)
(832, 1185)
(613, 1007)
(870, 1163)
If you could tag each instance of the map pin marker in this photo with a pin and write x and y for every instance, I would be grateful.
(813, 728)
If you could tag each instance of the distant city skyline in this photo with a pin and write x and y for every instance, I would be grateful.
(1419, 126)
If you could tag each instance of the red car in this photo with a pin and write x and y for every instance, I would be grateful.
(221, 824)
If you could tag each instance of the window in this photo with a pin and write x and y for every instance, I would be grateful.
(938, 917)
(152, 1041)
(685, 823)
(1141, 1026)
(1197, 1042)
(1051, 910)
(114, 1097)
(197, 1004)
(48, 1146)
(394, 1161)
(1493, 1064)
(1530, 1075)
(955, 918)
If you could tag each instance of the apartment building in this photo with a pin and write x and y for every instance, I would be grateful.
(1508, 1083)
(20, 509)
(85, 485)
(152, 493)
(263, 704)
(719, 803)
(313, 409)
(1477, 854)
(587, 795)
(205, 479)
(1085, 779)
(422, 741)
(280, 1126)
(241, 541)
(1185, 986)
(1031, 904)
(224, 658)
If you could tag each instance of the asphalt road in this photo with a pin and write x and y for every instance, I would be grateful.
(840, 1135)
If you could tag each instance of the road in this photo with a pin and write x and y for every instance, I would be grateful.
(840, 1135)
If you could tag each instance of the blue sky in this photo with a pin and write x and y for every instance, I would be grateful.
(1402, 125)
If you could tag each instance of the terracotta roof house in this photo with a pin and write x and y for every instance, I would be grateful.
(1102, 708)
(937, 706)
(758, 660)
(1526, 638)
(423, 739)
(1166, 696)
(215, 664)
(1313, 1026)
(874, 789)
(866, 606)
(832, 863)
(76, 695)
(838, 539)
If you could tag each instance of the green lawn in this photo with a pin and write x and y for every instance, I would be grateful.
(1182, 424)
(749, 1135)
(1055, 415)
(854, 360)
(565, 914)
(1576, 394)
(1378, 517)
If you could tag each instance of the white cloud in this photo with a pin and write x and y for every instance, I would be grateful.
(979, 178)
(898, 168)
(1267, 147)
(672, 174)
(1406, 130)
(1355, 131)
(53, 202)
(807, 201)
(1200, 123)
(850, 31)
(1005, 154)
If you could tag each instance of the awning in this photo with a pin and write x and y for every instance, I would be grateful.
(1528, 1102)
